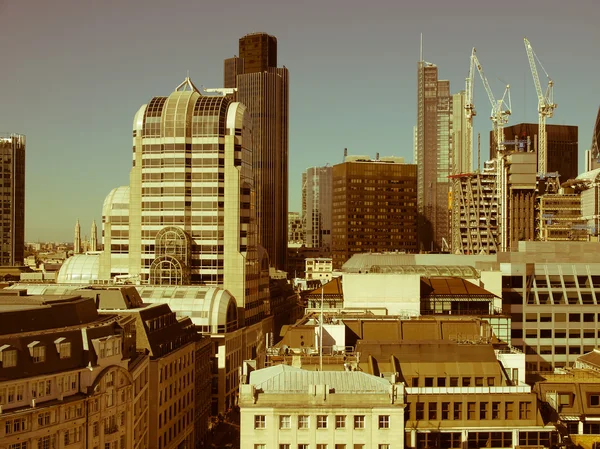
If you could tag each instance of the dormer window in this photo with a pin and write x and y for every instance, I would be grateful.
(37, 352)
(63, 347)
(8, 356)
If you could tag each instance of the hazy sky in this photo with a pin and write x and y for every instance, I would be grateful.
(74, 72)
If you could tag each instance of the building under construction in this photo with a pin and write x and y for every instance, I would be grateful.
(559, 217)
(475, 212)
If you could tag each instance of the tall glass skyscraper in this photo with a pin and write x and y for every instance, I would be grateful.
(12, 218)
(317, 185)
(434, 131)
(263, 88)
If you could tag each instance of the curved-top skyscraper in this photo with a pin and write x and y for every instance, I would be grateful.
(190, 218)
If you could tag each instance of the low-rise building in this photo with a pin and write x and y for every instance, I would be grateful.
(319, 268)
(69, 377)
(286, 407)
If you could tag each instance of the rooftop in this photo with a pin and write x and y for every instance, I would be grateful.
(284, 378)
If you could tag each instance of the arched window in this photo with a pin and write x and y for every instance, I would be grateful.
(168, 270)
(173, 241)
(173, 250)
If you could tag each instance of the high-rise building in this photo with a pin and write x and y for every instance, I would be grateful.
(434, 131)
(562, 151)
(593, 154)
(263, 88)
(12, 219)
(316, 207)
(188, 215)
(374, 207)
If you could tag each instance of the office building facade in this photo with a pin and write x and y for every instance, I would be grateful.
(12, 220)
(562, 151)
(316, 207)
(434, 131)
(374, 207)
(188, 216)
(264, 89)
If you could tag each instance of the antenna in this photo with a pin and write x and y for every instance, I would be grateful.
(421, 49)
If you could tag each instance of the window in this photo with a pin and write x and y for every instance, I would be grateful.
(22, 445)
(384, 421)
(508, 410)
(340, 421)
(470, 410)
(9, 358)
(321, 421)
(321, 446)
(72, 436)
(445, 410)
(64, 349)
(284, 446)
(303, 446)
(466, 381)
(420, 411)
(46, 442)
(594, 400)
(302, 421)
(39, 354)
(285, 421)
(490, 381)
(483, 410)
(479, 381)
(340, 446)
(359, 421)
(429, 381)
(415, 382)
(260, 446)
(495, 410)
(432, 411)
(524, 410)
(384, 446)
(96, 428)
(259, 421)
(44, 419)
(441, 382)
(454, 381)
(15, 425)
(110, 379)
(359, 446)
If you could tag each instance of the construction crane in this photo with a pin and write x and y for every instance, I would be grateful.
(546, 106)
(469, 107)
(501, 109)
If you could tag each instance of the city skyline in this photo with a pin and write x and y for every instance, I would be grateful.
(73, 93)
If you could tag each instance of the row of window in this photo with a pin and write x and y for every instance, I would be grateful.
(495, 410)
(322, 421)
(38, 353)
(466, 381)
(324, 446)
(39, 389)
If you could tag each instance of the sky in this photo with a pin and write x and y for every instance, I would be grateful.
(74, 72)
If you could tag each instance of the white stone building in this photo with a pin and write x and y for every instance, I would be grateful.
(283, 407)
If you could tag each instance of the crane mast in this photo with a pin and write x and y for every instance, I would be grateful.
(469, 107)
(546, 106)
(499, 117)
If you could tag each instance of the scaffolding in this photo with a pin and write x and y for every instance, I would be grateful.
(475, 212)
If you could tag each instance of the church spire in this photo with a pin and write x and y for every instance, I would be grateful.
(77, 239)
(94, 237)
